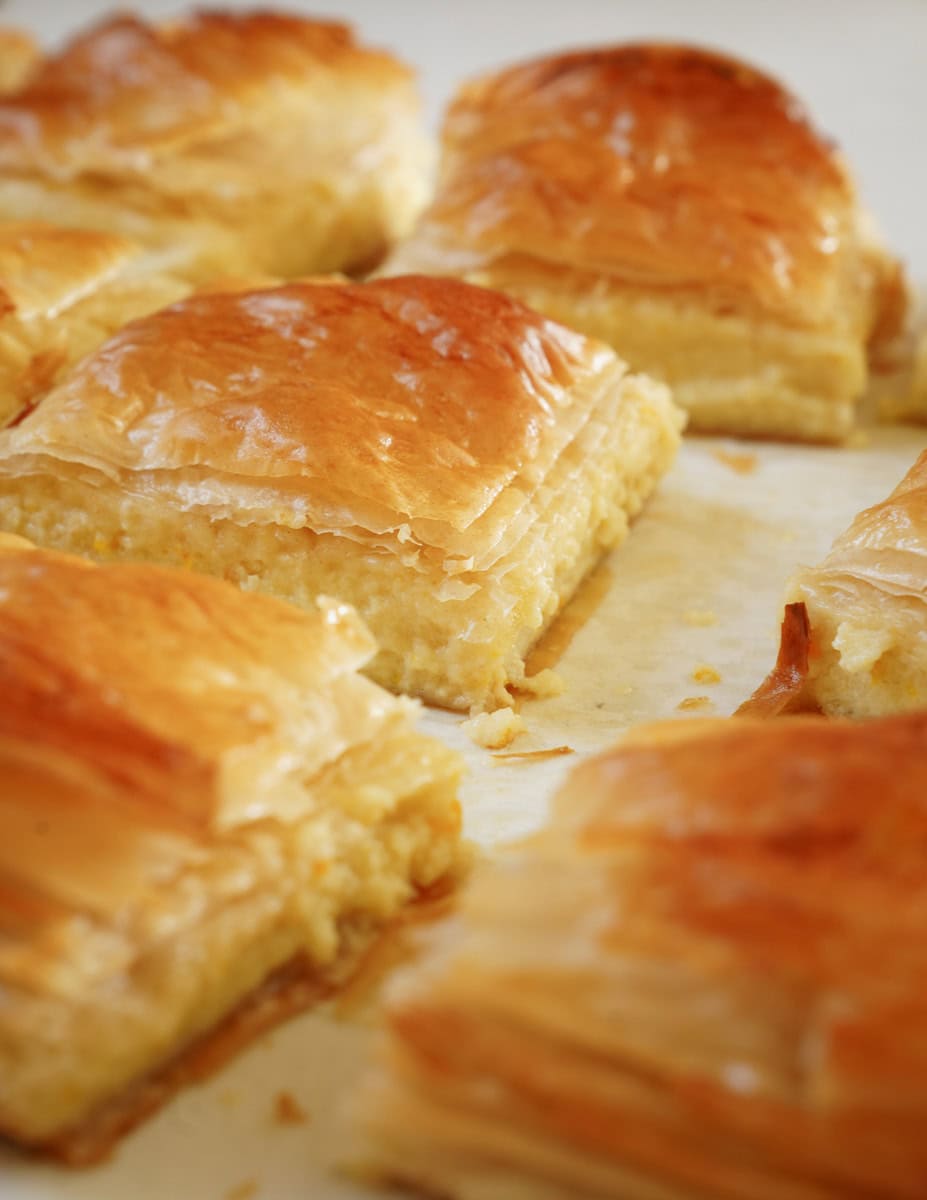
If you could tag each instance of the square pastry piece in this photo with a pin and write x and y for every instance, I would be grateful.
(854, 638)
(678, 205)
(233, 142)
(704, 980)
(62, 292)
(205, 816)
(436, 454)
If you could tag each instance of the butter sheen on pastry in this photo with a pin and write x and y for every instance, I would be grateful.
(702, 981)
(235, 143)
(678, 205)
(438, 455)
(206, 815)
(62, 292)
(863, 640)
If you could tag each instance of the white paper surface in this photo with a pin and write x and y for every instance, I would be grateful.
(712, 541)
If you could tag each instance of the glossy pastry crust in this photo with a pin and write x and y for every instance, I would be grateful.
(62, 292)
(702, 979)
(866, 606)
(360, 440)
(636, 190)
(200, 796)
(214, 138)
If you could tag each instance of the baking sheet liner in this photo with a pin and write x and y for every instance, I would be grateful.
(697, 584)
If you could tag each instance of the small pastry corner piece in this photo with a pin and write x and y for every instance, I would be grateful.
(231, 143)
(206, 814)
(62, 292)
(704, 979)
(436, 454)
(680, 206)
(854, 639)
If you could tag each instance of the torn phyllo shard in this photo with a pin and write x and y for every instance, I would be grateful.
(62, 292)
(230, 142)
(438, 455)
(703, 979)
(206, 813)
(784, 688)
(680, 206)
(866, 612)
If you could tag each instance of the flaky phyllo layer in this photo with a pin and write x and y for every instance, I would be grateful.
(854, 640)
(199, 793)
(680, 206)
(252, 143)
(672, 992)
(454, 476)
(63, 292)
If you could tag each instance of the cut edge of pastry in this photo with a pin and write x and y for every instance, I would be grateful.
(213, 867)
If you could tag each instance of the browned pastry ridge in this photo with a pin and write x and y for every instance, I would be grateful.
(230, 142)
(679, 205)
(861, 651)
(434, 453)
(704, 980)
(206, 814)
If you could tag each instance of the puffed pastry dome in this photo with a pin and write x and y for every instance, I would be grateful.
(233, 143)
(703, 981)
(854, 638)
(62, 292)
(206, 814)
(678, 205)
(436, 454)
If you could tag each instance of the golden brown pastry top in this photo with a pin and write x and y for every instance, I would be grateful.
(126, 90)
(151, 688)
(886, 544)
(44, 268)
(326, 403)
(18, 55)
(794, 847)
(661, 165)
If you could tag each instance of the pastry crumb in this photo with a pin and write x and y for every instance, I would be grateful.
(705, 674)
(542, 684)
(246, 1190)
(699, 617)
(288, 1110)
(742, 463)
(694, 704)
(527, 755)
(495, 730)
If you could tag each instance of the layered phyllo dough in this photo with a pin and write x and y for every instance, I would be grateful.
(230, 142)
(854, 638)
(206, 814)
(678, 205)
(703, 980)
(438, 455)
(62, 292)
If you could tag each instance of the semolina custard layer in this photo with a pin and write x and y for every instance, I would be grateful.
(439, 456)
